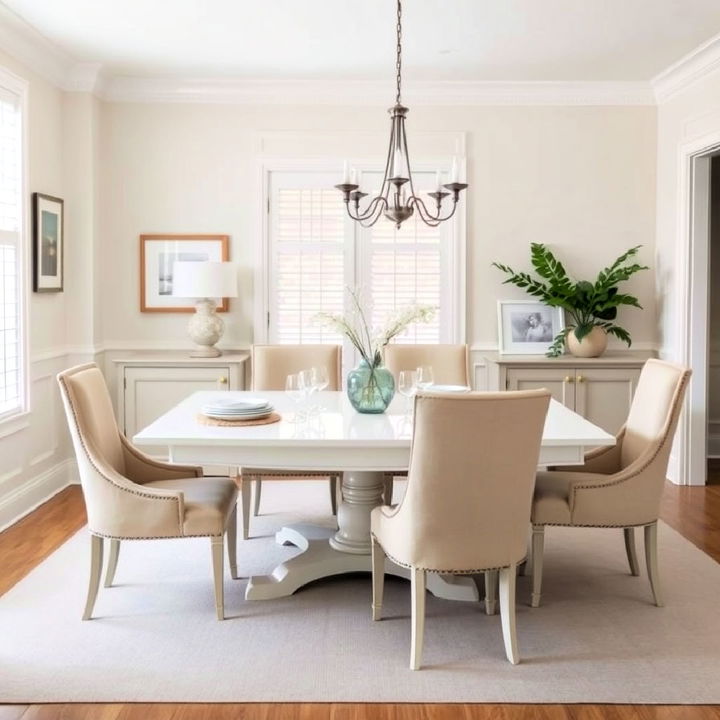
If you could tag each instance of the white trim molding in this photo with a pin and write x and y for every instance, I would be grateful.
(30, 495)
(687, 70)
(370, 92)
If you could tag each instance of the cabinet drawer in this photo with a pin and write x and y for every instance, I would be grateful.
(559, 381)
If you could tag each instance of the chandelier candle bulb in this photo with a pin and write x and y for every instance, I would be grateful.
(454, 171)
(346, 174)
(438, 182)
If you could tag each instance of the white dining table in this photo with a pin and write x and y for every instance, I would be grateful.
(335, 437)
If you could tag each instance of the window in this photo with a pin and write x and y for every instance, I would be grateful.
(12, 375)
(315, 252)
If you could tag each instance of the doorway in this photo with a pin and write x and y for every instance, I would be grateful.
(713, 326)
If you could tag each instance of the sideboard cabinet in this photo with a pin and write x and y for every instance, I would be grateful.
(600, 389)
(149, 384)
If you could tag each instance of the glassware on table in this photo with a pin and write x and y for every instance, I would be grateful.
(295, 390)
(407, 386)
(320, 376)
(424, 377)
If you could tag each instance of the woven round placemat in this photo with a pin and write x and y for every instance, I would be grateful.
(269, 420)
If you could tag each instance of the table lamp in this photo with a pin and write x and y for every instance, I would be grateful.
(205, 281)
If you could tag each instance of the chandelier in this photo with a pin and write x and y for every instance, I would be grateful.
(394, 201)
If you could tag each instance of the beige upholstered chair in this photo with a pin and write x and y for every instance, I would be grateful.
(450, 367)
(449, 362)
(129, 496)
(467, 505)
(271, 364)
(618, 486)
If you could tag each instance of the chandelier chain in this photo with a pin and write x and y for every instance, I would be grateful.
(398, 62)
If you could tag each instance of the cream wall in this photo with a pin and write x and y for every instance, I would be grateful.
(581, 179)
(33, 457)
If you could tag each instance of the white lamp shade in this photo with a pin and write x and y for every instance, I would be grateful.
(204, 279)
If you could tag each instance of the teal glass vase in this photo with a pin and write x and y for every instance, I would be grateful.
(370, 389)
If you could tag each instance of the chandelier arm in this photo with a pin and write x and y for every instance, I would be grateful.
(426, 215)
(370, 210)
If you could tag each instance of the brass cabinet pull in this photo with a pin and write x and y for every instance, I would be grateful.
(222, 380)
(569, 379)
(580, 378)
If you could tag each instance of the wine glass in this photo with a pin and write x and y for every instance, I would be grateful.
(320, 377)
(295, 390)
(407, 386)
(424, 377)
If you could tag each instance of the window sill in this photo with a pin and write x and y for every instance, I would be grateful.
(14, 423)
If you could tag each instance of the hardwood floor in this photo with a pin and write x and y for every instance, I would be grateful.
(692, 511)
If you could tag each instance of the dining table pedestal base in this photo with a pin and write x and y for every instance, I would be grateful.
(320, 559)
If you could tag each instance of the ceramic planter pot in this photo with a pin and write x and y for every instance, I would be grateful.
(592, 345)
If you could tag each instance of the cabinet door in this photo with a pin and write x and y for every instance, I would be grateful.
(559, 381)
(152, 391)
(603, 395)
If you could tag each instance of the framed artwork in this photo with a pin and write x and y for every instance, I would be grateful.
(48, 243)
(527, 328)
(159, 252)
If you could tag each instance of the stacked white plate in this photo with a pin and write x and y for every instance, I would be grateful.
(247, 409)
(449, 388)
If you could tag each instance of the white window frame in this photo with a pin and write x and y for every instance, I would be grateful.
(16, 419)
(456, 296)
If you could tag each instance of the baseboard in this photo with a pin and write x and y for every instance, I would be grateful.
(36, 491)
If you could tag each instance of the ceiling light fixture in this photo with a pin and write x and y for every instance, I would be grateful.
(393, 201)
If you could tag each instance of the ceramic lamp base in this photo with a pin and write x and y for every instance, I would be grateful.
(205, 328)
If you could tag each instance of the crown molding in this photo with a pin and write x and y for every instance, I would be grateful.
(364, 92)
(687, 70)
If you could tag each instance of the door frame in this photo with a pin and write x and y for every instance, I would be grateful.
(692, 253)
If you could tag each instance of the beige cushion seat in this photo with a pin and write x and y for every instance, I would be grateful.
(467, 505)
(551, 505)
(129, 495)
(271, 364)
(208, 505)
(618, 486)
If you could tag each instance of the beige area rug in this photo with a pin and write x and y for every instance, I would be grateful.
(597, 637)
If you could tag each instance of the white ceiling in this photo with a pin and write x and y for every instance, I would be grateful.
(477, 40)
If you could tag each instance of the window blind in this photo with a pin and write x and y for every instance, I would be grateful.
(315, 253)
(11, 208)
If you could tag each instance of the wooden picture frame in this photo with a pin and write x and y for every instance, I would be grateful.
(158, 251)
(527, 327)
(48, 233)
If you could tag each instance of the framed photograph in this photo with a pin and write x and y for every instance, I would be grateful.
(48, 243)
(527, 328)
(158, 253)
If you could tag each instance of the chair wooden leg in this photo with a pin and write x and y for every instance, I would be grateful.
(216, 544)
(538, 541)
(112, 562)
(245, 490)
(96, 563)
(491, 586)
(232, 543)
(507, 612)
(651, 558)
(378, 578)
(629, 533)
(388, 483)
(417, 592)
(258, 492)
(333, 494)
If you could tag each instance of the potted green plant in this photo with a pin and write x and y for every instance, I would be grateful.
(590, 307)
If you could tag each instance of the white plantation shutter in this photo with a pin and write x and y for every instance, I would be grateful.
(406, 267)
(11, 225)
(315, 253)
(307, 248)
